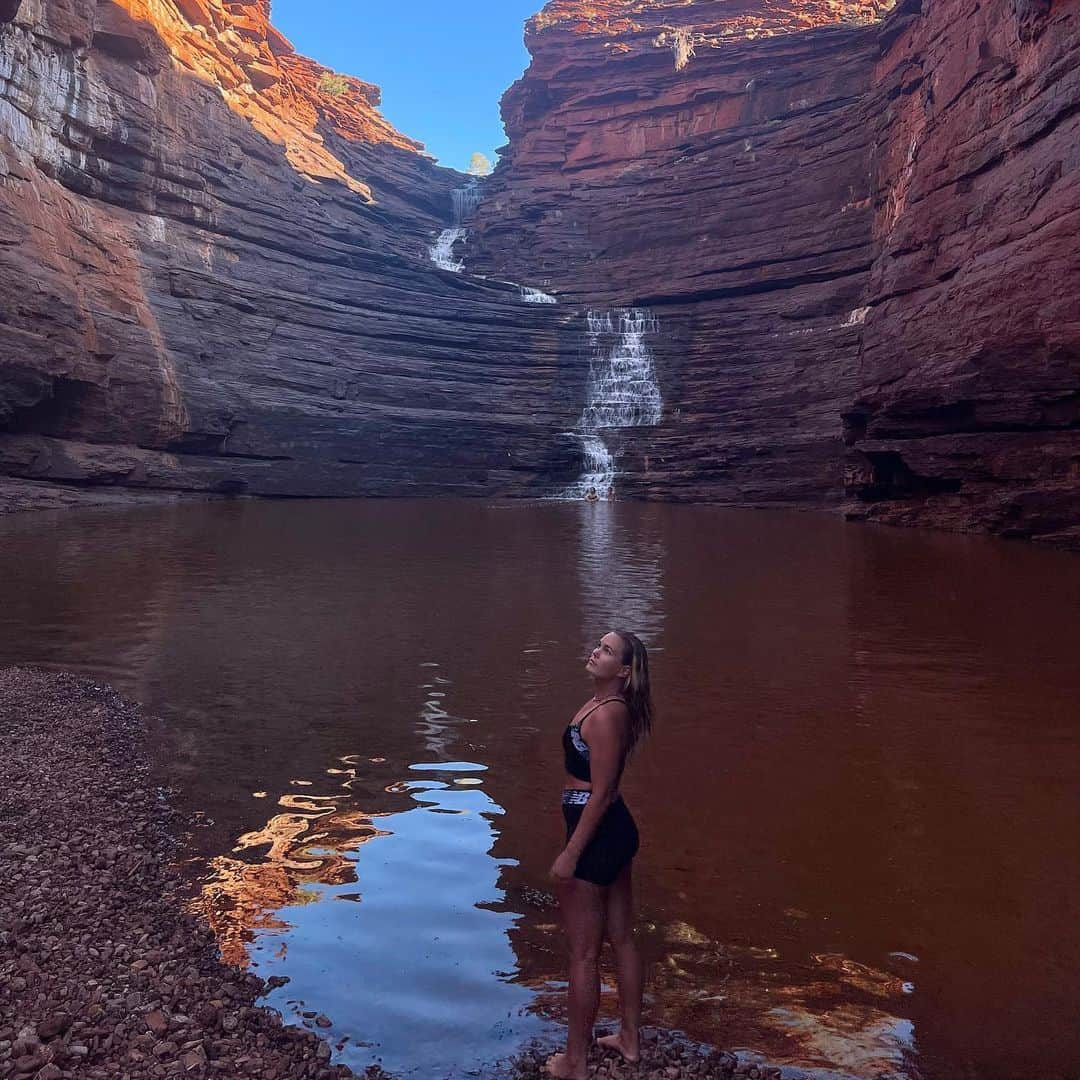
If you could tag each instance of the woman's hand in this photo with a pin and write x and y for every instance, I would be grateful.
(562, 869)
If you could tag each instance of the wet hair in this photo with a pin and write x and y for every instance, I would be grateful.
(636, 689)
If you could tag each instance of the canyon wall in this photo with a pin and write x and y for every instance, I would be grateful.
(967, 409)
(853, 225)
(214, 274)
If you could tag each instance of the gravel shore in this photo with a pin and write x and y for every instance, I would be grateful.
(103, 973)
(665, 1055)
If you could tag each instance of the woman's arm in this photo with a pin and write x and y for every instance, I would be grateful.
(608, 736)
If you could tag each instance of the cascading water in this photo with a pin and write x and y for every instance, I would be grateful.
(622, 391)
(536, 296)
(465, 201)
(442, 251)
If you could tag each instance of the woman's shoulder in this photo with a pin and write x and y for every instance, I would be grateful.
(612, 711)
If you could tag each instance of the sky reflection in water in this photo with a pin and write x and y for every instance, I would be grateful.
(859, 810)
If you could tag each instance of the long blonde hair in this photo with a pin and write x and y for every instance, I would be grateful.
(636, 690)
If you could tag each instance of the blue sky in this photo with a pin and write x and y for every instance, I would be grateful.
(442, 66)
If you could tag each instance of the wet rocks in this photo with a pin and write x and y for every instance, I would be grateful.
(665, 1055)
(102, 971)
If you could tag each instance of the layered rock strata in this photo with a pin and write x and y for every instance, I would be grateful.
(967, 408)
(853, 227)
(214, 273)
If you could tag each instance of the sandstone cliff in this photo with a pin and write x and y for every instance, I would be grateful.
(214, 273)
(855, 226)
(967, 408)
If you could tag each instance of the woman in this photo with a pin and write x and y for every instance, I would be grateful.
(592, 874)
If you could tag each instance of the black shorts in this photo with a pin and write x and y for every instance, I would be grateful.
(612, 846)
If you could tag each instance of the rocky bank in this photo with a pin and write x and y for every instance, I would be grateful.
(102, 972)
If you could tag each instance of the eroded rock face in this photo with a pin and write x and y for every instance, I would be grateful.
(853, 225)
(729, 193)
(967, 411)
(215, 274)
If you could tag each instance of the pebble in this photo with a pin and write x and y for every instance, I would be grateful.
(98, 947)
(665, 1055)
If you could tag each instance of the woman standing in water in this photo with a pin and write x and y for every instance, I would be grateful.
(592, 874)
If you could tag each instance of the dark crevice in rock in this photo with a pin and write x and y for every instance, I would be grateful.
(212, 445)
(698, 296)
(58, 412)
(892, 478)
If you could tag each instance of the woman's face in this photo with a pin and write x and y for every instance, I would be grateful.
(605, 661)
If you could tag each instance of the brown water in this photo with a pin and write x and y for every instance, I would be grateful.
(859, 812)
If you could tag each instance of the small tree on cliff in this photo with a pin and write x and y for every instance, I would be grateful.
(479, 165)
(333, 85)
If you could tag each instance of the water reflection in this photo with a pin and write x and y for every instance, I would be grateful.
(620, 572)
(281, 865)
(867, 753)
(423, 920)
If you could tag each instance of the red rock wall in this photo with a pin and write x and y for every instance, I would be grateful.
(819, 282)
(967, 411)
(214, 273)
(856, 227)
(732, 197)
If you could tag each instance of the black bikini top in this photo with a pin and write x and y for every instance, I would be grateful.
(576, 749)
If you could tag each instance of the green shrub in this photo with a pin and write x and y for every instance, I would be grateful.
(333, 85)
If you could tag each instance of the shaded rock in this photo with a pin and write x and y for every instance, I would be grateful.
(232, 290)
(854, 230)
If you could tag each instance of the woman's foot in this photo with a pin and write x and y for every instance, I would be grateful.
(629, 1046)
(560, 1066)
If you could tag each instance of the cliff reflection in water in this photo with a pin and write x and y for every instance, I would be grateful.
(312, 843)
(859, 808)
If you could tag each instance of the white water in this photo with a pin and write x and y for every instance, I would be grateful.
(622, 391)
(442, 251)
(535, 296)
(465, 201)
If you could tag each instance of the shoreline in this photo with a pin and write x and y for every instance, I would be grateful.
(104, 969)
(103, 972)
(20, 496)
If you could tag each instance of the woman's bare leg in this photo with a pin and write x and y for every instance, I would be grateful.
(582, 907)
(619, 930)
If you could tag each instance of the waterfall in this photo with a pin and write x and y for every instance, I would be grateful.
(622, 391)
(465, 201)
(442, 251)
(599, 471)
(535, 296)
